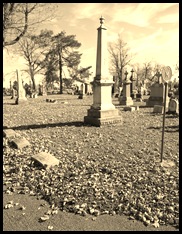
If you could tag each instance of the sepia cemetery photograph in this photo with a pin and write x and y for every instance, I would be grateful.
(90, 116)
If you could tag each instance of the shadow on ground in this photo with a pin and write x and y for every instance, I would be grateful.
(174, 128)
(49, 125)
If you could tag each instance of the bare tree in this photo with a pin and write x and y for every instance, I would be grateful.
(138, 71)
(33, 49)
(19, 17)
(119, 57)
(147, 71)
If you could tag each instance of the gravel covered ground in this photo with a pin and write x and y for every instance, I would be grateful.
(108, 173)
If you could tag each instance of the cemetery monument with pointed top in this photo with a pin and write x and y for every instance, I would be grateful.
(126, 98)
(102, 110)
(157, 92)
(21, 94)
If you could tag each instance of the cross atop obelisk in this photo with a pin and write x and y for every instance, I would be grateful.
(102, 20)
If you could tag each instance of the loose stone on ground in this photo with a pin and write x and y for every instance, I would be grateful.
(46, 159)
(20, 143)
(9, 133)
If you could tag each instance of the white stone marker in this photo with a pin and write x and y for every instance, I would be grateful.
(173, 106)
(102, 110)
(46, 160)
(126, 98)
(9, 133)
(20, 143)
(21, 91)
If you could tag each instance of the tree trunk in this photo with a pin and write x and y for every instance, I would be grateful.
(120, 76)
(32, 78)
(60, 74)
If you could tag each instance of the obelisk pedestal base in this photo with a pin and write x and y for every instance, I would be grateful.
(103, 117)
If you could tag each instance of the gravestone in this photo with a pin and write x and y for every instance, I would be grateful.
(158, 109)
(46, 160)
(9, 133)
(139, 97)
(126, 98)
(133, 89)
(42, 89)
(82, 91)
(129, 108)
(173, 107)
(20, 143)
(21, 94)
(102, 110)
(157, 93)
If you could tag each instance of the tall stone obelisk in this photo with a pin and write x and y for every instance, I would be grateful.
(102, 110)
(21, 91)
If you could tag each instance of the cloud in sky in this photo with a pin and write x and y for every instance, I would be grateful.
(146, 27)
(151, 30)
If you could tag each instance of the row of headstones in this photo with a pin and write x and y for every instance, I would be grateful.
(173, 107)
(15, 93)
(46, 160)
(156, 97)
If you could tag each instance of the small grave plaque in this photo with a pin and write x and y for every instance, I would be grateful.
(9, 133)
(46, 160)
(20, 143)
(173, 106)
(158, 109)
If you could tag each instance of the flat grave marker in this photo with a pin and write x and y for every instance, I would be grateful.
(158, 109)
(20, 143)
(9, 133)
(46, 159)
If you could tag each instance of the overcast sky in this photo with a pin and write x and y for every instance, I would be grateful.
(151, 30)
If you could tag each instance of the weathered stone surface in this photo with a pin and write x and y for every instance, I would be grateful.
(98, 122)
(173, 106)
(102, 111)
(167, 163)
(157, 95)
(9, 133)
(45, 159)
(20, 143)
(126, 98)
(158, 109)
